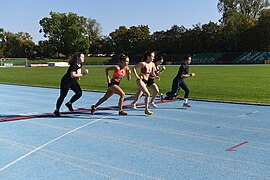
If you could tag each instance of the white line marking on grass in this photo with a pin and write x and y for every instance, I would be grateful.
(40, 147)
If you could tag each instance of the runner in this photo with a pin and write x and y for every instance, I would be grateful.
(147, 68)
(113, 84)
(151, 83)
(70, 81)
(179, 82)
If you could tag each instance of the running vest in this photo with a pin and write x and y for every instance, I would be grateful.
(119, 74)
(146, 70)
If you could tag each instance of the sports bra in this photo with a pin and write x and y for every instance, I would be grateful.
(146, 70)
(119, 74)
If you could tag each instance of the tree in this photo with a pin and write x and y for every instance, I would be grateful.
(251, 8)
(210, 37)
(235, 26)
(105, 46)
(66, 32)
(132, 41)
(45, 49)
(192, 42)
(18, 45)
(239, 16)
(139, 39)
(119, 39)
(263, 31)
(93, 30)
(1, 37)
(158, 40)
(173, 41)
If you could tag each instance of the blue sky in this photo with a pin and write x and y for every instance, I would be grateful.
(24, 15)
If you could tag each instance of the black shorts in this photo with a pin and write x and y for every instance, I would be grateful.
(113, 82)
(150, 82)
(145, 81)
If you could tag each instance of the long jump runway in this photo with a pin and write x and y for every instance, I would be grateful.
(207, 141)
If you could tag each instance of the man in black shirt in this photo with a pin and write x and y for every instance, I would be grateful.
(178, 82)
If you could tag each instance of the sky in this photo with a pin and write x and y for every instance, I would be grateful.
(24, 15)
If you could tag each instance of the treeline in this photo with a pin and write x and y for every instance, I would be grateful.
(243, 26)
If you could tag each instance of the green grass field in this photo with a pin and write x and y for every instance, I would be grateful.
(226, 83)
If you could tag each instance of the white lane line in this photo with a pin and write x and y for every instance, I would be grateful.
(153, 149)
(197, 135)
(144, 145)
(248, 114)
(40, 147)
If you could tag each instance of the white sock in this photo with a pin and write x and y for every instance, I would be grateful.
(185, 100)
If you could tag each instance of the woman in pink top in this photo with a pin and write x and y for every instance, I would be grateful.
(113, 84)
(147, 67)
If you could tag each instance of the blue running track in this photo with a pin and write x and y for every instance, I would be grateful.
(207, 141)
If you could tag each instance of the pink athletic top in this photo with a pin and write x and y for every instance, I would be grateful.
(119, 74)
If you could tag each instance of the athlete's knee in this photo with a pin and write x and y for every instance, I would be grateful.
(122, 96)
(79, 93)
(147, 94)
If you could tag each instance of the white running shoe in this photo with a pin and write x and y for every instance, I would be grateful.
(133, 106)
(161, 97)
(152, 105)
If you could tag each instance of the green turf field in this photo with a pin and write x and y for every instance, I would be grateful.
(228, 83)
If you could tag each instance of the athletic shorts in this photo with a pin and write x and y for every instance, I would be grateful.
(150, 82)
(113, 82)
(145, 81)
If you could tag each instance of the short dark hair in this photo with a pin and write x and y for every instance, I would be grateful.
(158, 58)
(186, 57)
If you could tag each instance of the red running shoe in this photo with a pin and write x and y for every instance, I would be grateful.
(186, 105)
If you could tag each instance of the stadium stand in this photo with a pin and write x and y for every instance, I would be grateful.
(207, 58)
(251, 58)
